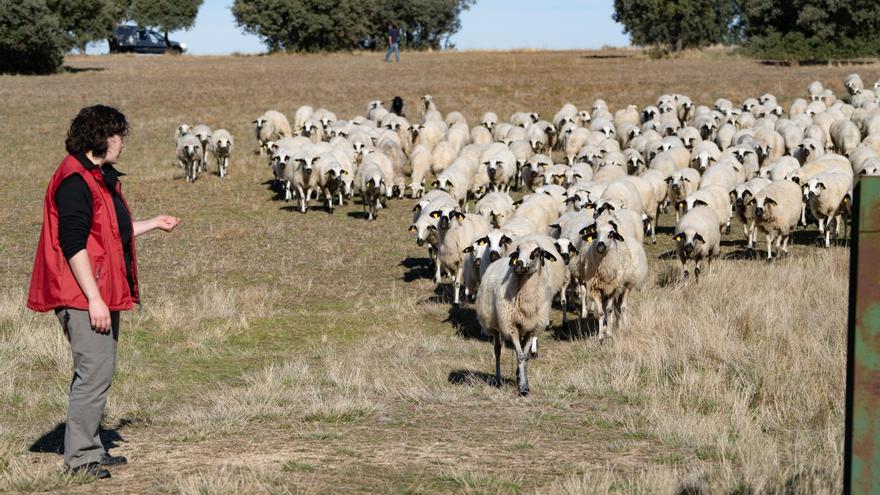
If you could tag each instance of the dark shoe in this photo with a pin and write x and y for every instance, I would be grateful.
(113, 460)
(91, 469)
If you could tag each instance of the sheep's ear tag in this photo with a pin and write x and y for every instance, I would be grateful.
(436, 183)
(481, 241)
(678, 237)
(513, 258)
(548, 256)
(435, 214)
(412, 228)
(459, 215)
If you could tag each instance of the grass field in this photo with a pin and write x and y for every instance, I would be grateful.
(281, 352)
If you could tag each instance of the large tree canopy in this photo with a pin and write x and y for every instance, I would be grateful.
(315, 25)
(31, 39)
(165, 15)
(87, 20)
(677, 24)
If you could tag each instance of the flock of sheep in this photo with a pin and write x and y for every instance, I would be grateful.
(594, 184)
(193, 145)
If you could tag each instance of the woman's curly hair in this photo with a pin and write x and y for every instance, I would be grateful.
(92, 127)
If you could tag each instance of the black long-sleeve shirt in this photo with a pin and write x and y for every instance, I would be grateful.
(74, 202)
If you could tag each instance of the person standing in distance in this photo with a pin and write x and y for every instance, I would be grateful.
(393, 46)
(85, 270)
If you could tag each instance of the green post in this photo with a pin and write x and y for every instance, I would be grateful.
(861, 470)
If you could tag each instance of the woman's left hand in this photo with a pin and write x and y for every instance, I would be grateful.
(166, 222)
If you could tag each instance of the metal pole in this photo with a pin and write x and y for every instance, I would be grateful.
(861, 465)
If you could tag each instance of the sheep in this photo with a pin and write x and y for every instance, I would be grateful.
(715, 197)
(426, 215)
(302, 114)
(577, 173)
(650, 202)
(425, 200)
(221, 147)
(182, 130)
(542, 209)
(372, 186)
(455, 118)
(627, 193)
(457, 181)
(189, 155)
(629, 220)
(427, 105)
(611, 168)
(489, 121)
(458, 135)
(387, 167)
(740, 197)
(779, 169)
(555, 174)
(376, 110)
(726, 174)
(771, 145)
(576, 139)
(635, 162)
(501, 168)
(271, 126)
(429, 134)
(853, 84)
(420, 162)
(777, 210)
(533, 172)
(824, 194)
(496, 206)
(613, 264)
(513, 303)
(704, 154)
(302, 176)
(845, 136)
(823, 164)
(456, 232)
(442, 156)
(481, 135)
(203, 132)
(681, 184)
(697, 238)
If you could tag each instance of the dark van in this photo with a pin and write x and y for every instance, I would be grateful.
(136, 39)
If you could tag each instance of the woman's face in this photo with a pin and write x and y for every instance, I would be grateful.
(115, 145)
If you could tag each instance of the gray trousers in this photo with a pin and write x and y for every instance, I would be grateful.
(94, 361)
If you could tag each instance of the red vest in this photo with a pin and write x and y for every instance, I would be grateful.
(52, 282)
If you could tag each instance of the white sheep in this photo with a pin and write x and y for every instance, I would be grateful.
(613, 264)
(681, 184)
(741, 198)
(853, 84)
(846, 136)
(271, 126)
(496, 206)
(372, 186)
(715, 197)
(825, 195)
(221, 147)
(513, 303)
(189, 155)
(420, 161)
(501, 168)
(457, 181)
(777, 210)
(203, 132)
(697, 238)
(456, 232)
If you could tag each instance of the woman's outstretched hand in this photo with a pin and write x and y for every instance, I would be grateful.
(166, 222)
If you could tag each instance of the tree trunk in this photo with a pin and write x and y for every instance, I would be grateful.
(679, 45)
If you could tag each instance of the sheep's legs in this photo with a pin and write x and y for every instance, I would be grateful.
(521, 361)
(582, 295)
(456, 285)
(563, 302)
(769, 247)
(784, 244)
(496, 340)
(533, 347)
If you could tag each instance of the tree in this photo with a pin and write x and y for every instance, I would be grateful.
(677, 24)
(424, 23)
(165, 15)
(811, 29)
(87, 20)
(315, 25)
(31, 39)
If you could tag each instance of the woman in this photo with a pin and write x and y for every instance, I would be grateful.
(85, 270)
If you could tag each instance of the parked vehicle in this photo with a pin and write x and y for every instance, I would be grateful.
(137, 39)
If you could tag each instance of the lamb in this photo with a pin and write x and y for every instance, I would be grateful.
(457, 231)
(496, 206)
(681, 184)
(513, 303)
(221, 147)
(777, 211)
(715, 197)
(825, 194)
(271, 126)
(697, 238)
(741, 196)
(613, 264)
(189, 155)
(203, 132)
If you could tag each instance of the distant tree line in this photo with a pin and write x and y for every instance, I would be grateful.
(35, 34)
(775, 29)
(331, 25)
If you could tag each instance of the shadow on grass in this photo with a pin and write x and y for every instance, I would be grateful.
(577, 329)
(472, 377)
(464, 320)
(742, 254)
(362, 215)
(53, 441)
(419, 268)
(76, 70)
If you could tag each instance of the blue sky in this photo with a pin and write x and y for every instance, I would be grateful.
(490, 24)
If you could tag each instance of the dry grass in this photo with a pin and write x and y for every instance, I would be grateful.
(279, 352)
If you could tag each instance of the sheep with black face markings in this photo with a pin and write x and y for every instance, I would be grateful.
(221, 147)
(741, 197)
(824, 195)
(777, 211)
(456, 232)
(513, 303)
(697, 238)
(189, 154)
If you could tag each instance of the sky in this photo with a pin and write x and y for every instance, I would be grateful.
(489, 24)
